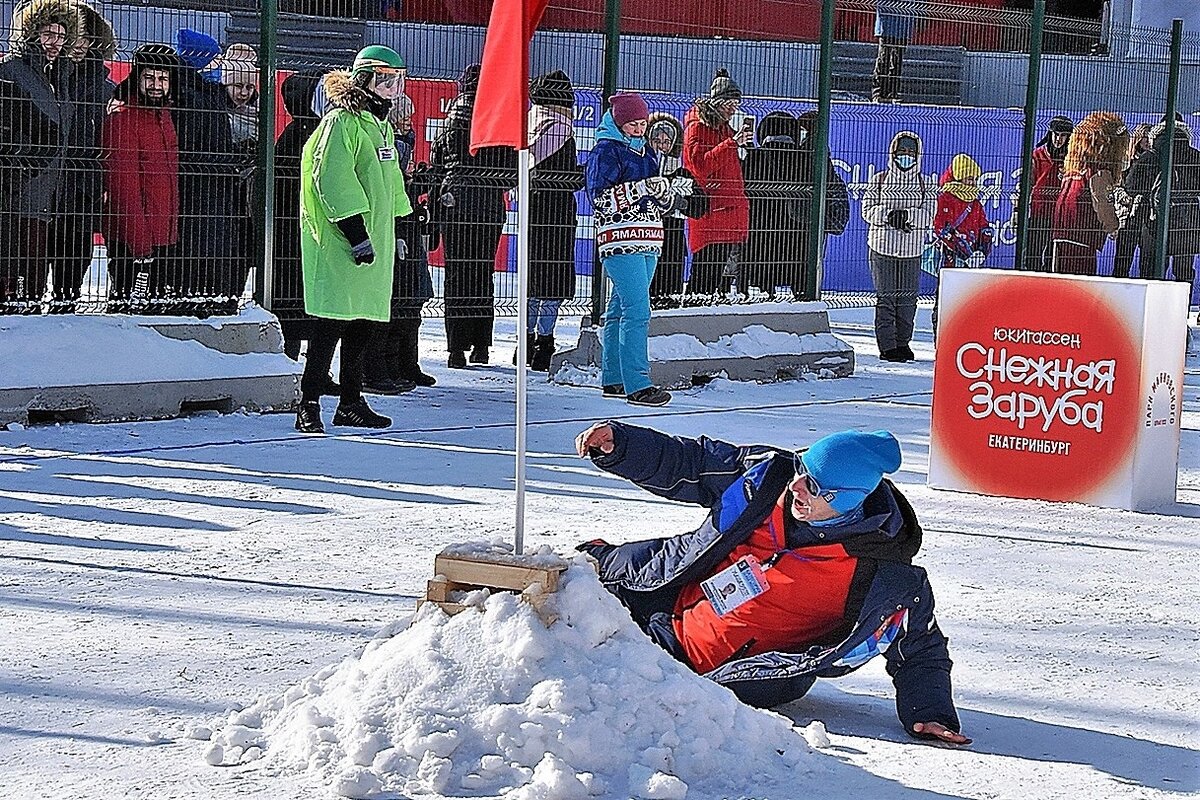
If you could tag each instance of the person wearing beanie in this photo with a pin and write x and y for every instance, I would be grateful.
(898, 206)
(1048, 157)
(470, 208)
(555, 178)
(629, 200)
(141, 215)
(210, 253)
(352, 191)
(710, 153)
(803, 568)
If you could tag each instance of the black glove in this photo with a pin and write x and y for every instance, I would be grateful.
(355, 231)
(898, 218)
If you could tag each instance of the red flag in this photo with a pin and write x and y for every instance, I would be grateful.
(502, 100)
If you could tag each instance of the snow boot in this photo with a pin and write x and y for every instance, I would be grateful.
(359, 415)
(479, 355)
(457, 360)
(308, 417)
(404, 358)
(543, 352)
(650, 396)
(530, 344)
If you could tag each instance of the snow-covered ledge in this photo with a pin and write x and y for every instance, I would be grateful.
(748, 342)
(103, 368)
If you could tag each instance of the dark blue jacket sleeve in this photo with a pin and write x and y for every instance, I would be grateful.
(919, 664)
(687, 470)
(603, 170)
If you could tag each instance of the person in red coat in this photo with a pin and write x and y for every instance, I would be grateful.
(960, 226)
(710, 153)
(141, 176)
(1047, 183)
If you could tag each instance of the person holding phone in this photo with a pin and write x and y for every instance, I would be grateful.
(710, 153)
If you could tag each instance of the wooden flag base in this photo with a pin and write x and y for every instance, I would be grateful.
(460, 572)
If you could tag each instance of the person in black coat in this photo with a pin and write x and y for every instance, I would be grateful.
(1183, 231)
(206, 260)
(470, 209)
(287, 284)
(556, 176)
(391, 364)
(837, 199)
(38, 74)
(83, 180)
(774, 171)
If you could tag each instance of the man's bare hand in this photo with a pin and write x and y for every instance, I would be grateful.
(599, 436)
(940, 732)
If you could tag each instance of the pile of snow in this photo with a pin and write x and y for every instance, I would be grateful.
(755, 341)
(493, 701)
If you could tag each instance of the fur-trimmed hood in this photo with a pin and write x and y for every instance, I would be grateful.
(341, 92)
(99, 30)
(705, 110)
(31, 16)
(663, 117)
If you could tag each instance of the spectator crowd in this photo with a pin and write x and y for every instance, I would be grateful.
(160, 161)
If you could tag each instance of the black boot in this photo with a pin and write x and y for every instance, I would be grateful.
(479, 354)
(530, 339)
(543, 352)
(308, 417)
(404, 358)
(359, 415)
(457, 360)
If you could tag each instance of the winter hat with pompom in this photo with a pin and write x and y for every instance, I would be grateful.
(724, 87)
(851, 464)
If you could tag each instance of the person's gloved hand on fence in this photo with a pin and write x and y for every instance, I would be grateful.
(355, 231)
(984, 245)
(401, 249)
(897, 218)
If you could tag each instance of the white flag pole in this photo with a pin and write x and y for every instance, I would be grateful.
(523, 167)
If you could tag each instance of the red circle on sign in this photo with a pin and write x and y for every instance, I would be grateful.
(992, 449)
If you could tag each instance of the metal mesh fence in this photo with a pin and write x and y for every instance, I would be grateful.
(119, 197)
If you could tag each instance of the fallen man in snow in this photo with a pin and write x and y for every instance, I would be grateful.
(802, 570)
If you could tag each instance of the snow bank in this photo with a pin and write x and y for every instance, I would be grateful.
(755, 341)
(492, 702)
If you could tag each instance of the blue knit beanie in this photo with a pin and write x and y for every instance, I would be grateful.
(851, 464)
(195, 48)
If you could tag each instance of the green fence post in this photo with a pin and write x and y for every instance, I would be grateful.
(1166, 155)
(267, 56)
(816, 225)
(612, 54)
(1029, 137)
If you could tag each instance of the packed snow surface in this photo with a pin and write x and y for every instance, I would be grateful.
(494, 701)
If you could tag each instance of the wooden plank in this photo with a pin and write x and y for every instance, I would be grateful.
(439, 591)
(478, 572)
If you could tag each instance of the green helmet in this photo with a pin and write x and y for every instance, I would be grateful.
(377, 58)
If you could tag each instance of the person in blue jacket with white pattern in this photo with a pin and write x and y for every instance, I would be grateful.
(803, 568)
(629, 200)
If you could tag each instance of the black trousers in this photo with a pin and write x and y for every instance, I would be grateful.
(889, 63)
(355, 336)
(708, 268)
(469, 288)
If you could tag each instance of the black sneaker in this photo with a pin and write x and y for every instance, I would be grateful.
(359, 415)
(894, 354)
(457, 360)
(906, 353)
(308, 417)
(615, 391)
(479, 355)
(650, 396)
(419, 378)
(387, 386)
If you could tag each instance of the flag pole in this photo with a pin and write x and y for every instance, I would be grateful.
(523, 166)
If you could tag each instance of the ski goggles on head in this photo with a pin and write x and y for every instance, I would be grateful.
(386, 77)
(810, 483)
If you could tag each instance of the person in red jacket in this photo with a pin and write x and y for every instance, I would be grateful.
(1047, 182)
(961, 229)
(710, 153)
(141, 176)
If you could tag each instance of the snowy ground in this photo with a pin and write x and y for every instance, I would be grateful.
(154, 576)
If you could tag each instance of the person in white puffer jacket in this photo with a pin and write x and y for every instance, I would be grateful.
(898, 205)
